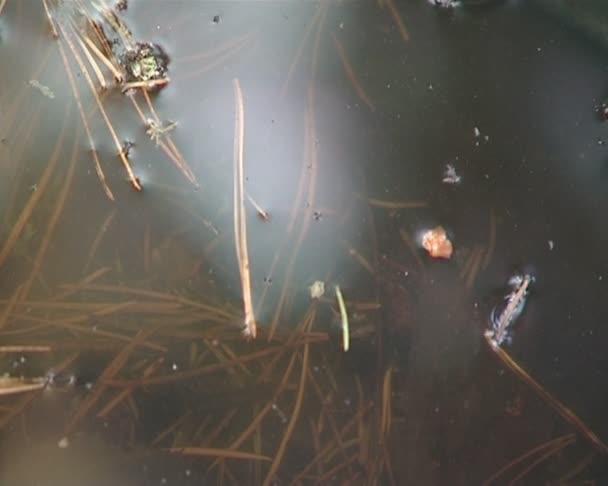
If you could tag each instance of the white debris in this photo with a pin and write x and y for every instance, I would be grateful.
(45, 90)
(551, 244)
(479, 137)
(63, 443)
(444, 3)
(450, 176)
(317, 289)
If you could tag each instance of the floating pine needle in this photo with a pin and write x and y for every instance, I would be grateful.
(240, 224)
(344, 317)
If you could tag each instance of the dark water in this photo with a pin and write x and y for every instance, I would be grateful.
(502, 92)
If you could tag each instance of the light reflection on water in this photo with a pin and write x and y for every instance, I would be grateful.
(534, 179)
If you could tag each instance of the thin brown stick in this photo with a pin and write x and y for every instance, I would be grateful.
(292, 67)
(492, 238)
(295, 415)
(552, 451)
(476, 258)
(345, 430)
(134, 181)
(48, 16)
(10, 306)
(25, 349)
(405, 36)
(386, 417)
(108, 373)
(568, 438)
(311, 152)
(553, 402)
(247, 40)
(146, 85)
(11, 386)
(240, 224)
(127, 392)
(172, 428)
(115, 71)
(53, 220)
(107, 222)
(100, 174)
(92, 63)
(210, 452)
(350, 74)
(170, 149)
(379, 203)
(26, 213)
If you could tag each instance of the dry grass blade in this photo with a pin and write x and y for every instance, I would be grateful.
(223, 453)
(240, 224)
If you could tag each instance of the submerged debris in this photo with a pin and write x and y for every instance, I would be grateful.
(450, 176)
(45, 90)
(147, 62)
(478, 137)
(506, 313)
(437, 244)
(317, 289)
(143, 64)
(156, 130)
(445, 3)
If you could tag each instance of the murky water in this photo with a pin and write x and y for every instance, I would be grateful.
(352, 113)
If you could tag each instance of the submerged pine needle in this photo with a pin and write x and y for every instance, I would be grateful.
(344, 317)
(211, 452)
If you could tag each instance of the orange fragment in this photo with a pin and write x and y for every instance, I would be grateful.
(436, 242)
